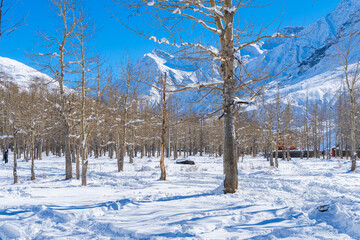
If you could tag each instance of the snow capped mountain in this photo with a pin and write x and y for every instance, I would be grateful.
(309, 63)
(23, 76)
(181, 72)
(312, 59)
(316, 48)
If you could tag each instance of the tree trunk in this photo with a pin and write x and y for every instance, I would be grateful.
(32, 156)
(353, 131)
(118, 158)
(123, 143)
(15, 162)
(131, 155)
(77, 163)
(73, 152)
(40, 149)
(288, 154)
(122, 157)
(26, 153)
(120, 153)
(68, 164)
(229, 161)
(84, 165)
(175, 151)
(271, 149)
(163, 132)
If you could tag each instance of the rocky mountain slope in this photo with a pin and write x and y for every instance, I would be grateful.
(310, 63)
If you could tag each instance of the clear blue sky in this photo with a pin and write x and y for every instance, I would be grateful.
(113, 40)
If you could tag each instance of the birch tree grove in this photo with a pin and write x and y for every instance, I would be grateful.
(217, 18)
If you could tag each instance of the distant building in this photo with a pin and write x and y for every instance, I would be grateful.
(335, 151)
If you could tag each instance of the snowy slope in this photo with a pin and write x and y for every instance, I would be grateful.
(181, 72)
(312, 61)
(23, 76)
(309, 62)
(317, 46)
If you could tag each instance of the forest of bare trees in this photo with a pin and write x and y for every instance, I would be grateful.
(114, 122)
(104, 113)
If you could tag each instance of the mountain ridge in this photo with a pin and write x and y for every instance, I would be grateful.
(302, 61)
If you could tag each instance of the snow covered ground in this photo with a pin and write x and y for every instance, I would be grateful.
(270, 203)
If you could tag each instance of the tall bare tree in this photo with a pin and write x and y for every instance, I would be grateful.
(352, 78)
(58, 60)
(163, 128)
(267, 118)
(83, 33)
(218, 18)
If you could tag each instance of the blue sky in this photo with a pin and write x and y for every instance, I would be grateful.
(113, 41)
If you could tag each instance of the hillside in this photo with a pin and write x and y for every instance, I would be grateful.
(23, 76)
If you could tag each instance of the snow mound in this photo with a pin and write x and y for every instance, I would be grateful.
(9, 231)
(339, 218)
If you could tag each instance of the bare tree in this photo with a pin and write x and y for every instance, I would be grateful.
(218, 18)
(58, 62)
(352, 78)
(127, 104)
(163, 128)
(267, 119)
(278, 128)
(306, 126)
(83, 33)
(287, 125)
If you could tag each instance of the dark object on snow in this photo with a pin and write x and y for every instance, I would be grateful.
(185, 161)
(323, 208)
(6, 156)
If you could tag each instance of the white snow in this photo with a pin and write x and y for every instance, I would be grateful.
(6, 136)
(24, 76)
(270, 203)
(177, 10)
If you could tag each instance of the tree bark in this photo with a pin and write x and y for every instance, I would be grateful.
(353, 131)
(15, 162)
(68, 164)
(32, 156)
(77, 163)
(163, 132)
(227, 74)
(84, 163)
